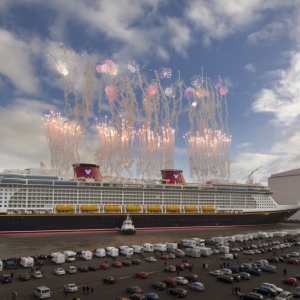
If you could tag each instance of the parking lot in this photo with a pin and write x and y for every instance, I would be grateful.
(125, 277)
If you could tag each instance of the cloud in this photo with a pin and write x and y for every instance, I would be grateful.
(282, 98)
(22, 118)
(217, 20)
(244, 145)
(250, 67)
(16, 62)
(270, 32)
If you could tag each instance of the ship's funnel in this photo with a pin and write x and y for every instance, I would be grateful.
(172, 176)
(87, 171)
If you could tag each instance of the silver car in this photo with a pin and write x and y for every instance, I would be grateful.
(196, 286)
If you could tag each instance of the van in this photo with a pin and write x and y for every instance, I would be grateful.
(179, 253)
(227, 256)
(42, 292)
(100, 252)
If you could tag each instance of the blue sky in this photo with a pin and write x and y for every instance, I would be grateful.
(253, 45)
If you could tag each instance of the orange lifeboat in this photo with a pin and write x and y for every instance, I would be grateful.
(89, 208)
(154, 208)
(208, 208)
(191, 208)
(173, 208)
(65, 208)
(134, 208)
(112, 208)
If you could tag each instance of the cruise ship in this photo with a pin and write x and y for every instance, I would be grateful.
(34, 201)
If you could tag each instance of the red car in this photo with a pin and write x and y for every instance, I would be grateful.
(186, 265)
(290, 281)
(117, 264)
(104, 266)
(142, 275)
(292, 261)
(170, 282)
(164, 257)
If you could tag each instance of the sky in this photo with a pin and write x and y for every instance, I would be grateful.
(253, 46)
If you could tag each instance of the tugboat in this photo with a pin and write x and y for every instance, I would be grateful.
(127, 227)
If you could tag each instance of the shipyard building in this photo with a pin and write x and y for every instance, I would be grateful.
(286, 188)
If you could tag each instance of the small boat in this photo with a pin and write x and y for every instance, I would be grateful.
(127, 227)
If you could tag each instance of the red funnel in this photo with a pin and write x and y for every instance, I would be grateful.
(173, 176)
(89, 171)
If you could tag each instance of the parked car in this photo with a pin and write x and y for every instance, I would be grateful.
(292, 261)
(290, 281)
(245, 276)
(236, 277)
(104, 266)
(25, 276)
(137, 297)
(127, 263)
(196, 286)
(71, 270)
(216, 273)
(6, 278)
(83, 268)
(170, 269)
(116, 264)
(296, 292)
(225, 278)
(151, 296)
(252, 296)
(191, 277)
(273, 260)
(266, 291)
(134, 289)
(164, 257)
(37, 274)
(181, 280)
(93, 268)
(178, 292)
(141, 274)
(71, 287)
(151, 259)
(284, 296)
(59, 271)
(170, 282)
(269, 268)
(254, 271)
(136, 262)
(158, 285)
(109, 280)
(180, 267)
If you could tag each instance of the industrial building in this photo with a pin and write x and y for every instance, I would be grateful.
(286, 188)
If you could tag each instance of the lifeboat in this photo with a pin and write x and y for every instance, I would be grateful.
(208, 208)
(65, 208)
(154, 208)
(89, 208)
(134, 208)
(191, 208)
(173, 208)
(112, 208)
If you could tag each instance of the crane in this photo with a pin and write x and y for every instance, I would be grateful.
(250, 175)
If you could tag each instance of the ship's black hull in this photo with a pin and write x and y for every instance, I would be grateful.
(112, 222)
(127, 232)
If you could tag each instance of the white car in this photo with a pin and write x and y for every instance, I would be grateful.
(151, 259)
(71, 270)
(71, 287)
(37, 274)
(59, 271)
(226, 271)
(216, 273)
(249, 252)
(196, 286)
(294, 254)
(181, 280)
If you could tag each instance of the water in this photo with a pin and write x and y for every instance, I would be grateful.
(36, 244)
